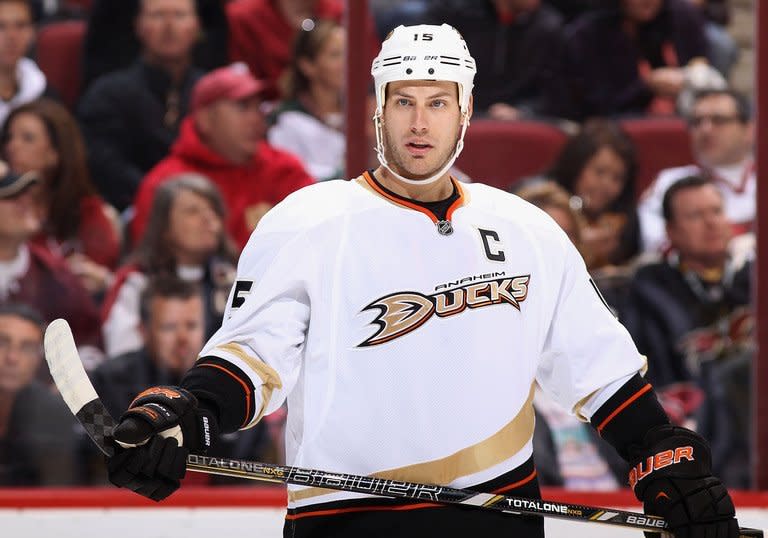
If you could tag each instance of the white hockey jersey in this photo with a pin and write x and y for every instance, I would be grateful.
(408, 354)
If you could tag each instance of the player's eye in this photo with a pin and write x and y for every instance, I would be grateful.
(402, 101)
(438, 103)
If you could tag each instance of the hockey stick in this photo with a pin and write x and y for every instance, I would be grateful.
(78, 392)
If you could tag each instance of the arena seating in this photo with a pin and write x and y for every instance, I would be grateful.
(499, 153)
(660, 143)
(59, 53)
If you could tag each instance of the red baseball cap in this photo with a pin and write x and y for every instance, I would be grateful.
(233, 82)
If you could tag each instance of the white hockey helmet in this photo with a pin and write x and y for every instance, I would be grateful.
(424, 52)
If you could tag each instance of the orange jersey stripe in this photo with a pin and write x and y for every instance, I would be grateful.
(362, 509)
(623, 406)
(518, 483)
(245, 389)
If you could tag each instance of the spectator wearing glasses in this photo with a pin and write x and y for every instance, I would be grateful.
(722, 138)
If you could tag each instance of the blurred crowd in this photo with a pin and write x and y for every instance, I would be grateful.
(124, 205)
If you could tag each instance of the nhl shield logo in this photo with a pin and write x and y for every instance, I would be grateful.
(444, 227)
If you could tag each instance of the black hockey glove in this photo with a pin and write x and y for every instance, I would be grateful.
(672, 475)
(153, 438)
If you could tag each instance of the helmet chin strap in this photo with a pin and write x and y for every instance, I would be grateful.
(431, 179)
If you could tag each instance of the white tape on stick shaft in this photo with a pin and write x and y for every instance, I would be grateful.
(65, 366)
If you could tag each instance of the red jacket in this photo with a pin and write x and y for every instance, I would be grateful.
(50, 288)
(260, 36)
(248, 190)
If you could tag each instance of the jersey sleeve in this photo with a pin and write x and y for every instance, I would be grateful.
(265, 322)
(585, 348)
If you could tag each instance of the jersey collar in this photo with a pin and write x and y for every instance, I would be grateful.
(367, 180)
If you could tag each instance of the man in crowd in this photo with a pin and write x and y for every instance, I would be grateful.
(689, 314)
(131, 116)
(722, 138)
(37, 430)
(173, 330)
(223, 139)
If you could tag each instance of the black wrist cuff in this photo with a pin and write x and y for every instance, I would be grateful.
(223, 390)
(627, 415)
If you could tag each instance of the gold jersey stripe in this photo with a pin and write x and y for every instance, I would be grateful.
(499, 447)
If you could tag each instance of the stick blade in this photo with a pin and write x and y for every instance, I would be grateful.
(69, 375)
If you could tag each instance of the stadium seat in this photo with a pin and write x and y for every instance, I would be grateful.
(78, 5)
(660, 143)
(499, 153)
(59, 55)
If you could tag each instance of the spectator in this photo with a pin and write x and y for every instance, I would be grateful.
(223, 139)
(21, 80)
(111, 42)
(690, 316)
(173, 330)
(262, 33)
(519, 44)
(172, 324)
(43, 136)
(694, 286)
(597, 166)
(629, 59)
(185, 239)
(722, 138)
(556, 202)
(309, 122)
(31, 274)
(37, 430)
(130, 117)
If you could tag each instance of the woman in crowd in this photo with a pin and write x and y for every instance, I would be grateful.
(309, 121)
(597, 167)
(185, 237)
(43, 136)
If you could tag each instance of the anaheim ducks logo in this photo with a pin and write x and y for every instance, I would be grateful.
(403, 312)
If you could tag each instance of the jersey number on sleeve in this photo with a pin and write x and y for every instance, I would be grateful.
(242, 289)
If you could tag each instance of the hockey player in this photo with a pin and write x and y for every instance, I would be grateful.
(406, 318)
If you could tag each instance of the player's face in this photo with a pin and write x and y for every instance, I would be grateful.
(699, 229)
(167, 29)
(194, 227)
(601, 181)
(174, 332)
(28, 146)
(421, 124)
(718, 136)
(21, 350)
(16, 32)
